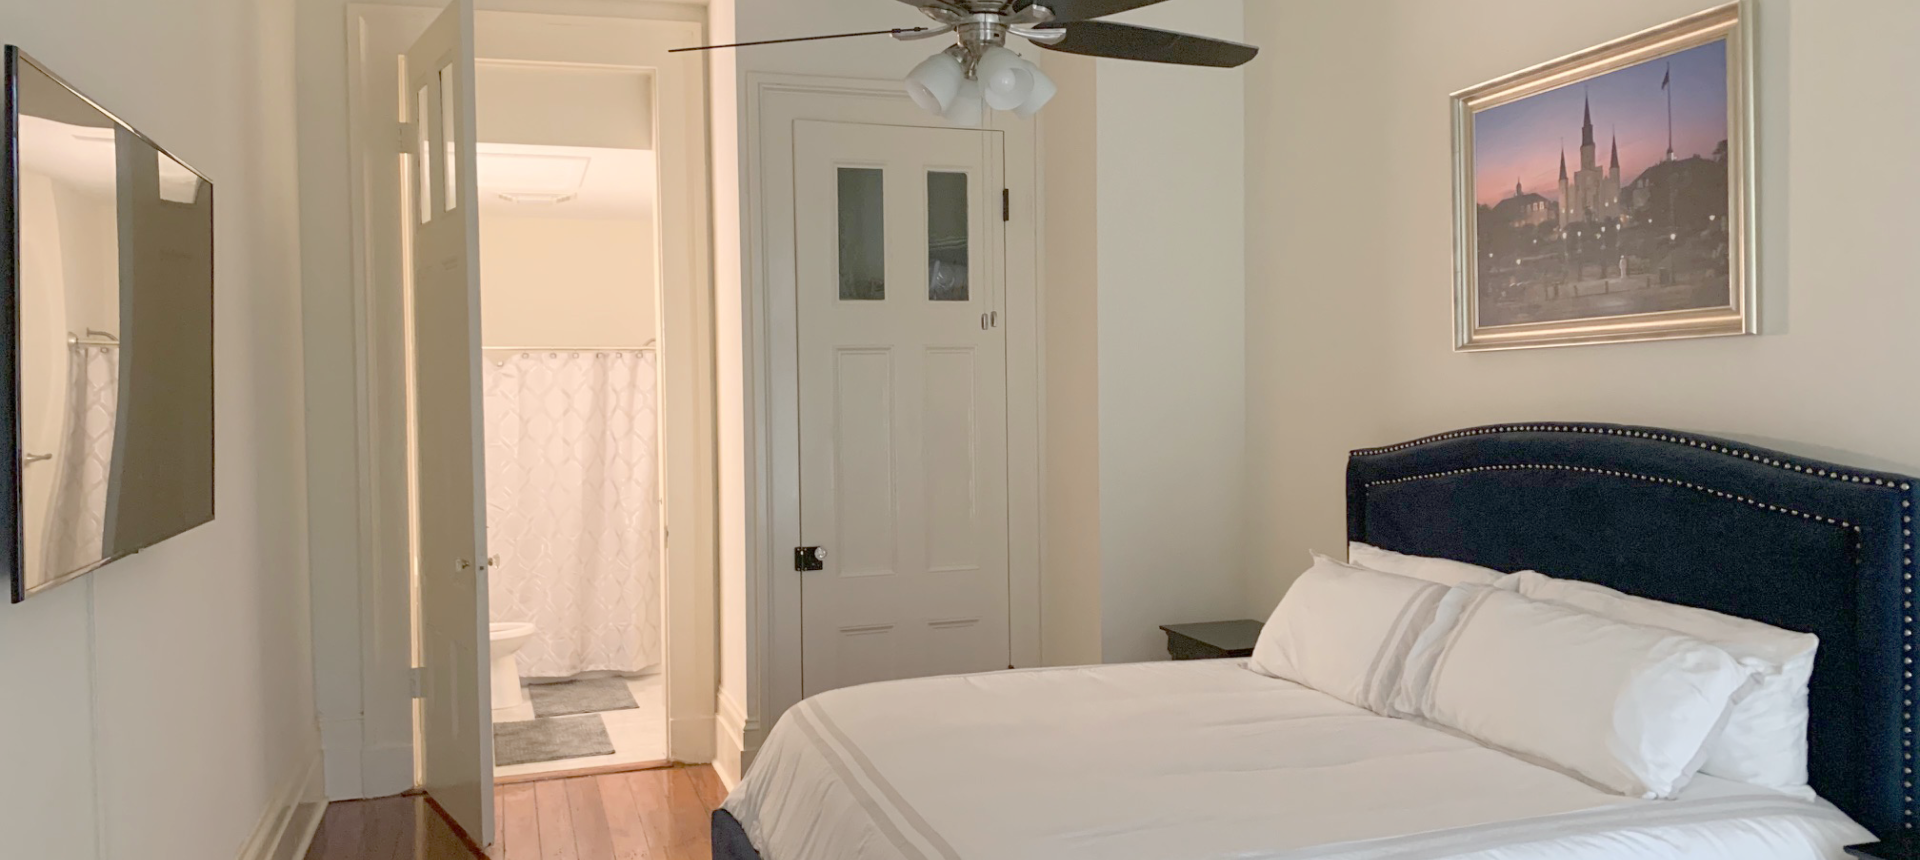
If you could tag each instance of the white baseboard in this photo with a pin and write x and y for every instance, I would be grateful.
(289, 822)
(736, 739)
(690, 739)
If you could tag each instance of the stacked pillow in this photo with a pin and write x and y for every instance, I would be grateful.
(1631, 695)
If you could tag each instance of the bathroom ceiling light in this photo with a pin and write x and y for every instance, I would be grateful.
(533, 174)
(535, 198)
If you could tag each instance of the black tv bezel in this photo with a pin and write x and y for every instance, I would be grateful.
(12, 476)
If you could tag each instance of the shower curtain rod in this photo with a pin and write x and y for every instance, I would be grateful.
(647, 348)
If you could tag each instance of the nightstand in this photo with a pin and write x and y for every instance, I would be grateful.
(1211, 640)
(1904, 845)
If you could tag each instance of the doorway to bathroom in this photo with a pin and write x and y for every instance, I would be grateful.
(571, 406)
(530, 269)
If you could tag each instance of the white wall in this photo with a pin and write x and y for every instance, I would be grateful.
(1172, 251)
(1350, 258)
(566, 282)
(156, 707)
(1070, 344)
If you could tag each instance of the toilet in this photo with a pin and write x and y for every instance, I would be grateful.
(505, 639)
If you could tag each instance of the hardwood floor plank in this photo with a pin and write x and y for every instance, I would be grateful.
(649, 789)
(592, 836)
(623, 818)
(342, 831)
(581, 771)
(712, 793)
(693, 829)
(436, 838)
(520, 824)
(389, 833)
(556, 821)
(643, 815)
(498, 850)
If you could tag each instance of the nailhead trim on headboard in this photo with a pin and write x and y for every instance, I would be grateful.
(1651, 479)
(1906, 530)
(1638, 434)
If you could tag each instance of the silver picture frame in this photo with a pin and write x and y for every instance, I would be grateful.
(1738, 315)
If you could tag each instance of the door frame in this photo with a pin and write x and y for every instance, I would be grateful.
(772, 420)
(386, 744)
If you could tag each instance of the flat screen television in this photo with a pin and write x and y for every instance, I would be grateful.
(108, 368)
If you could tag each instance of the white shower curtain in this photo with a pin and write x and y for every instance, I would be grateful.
(77, 517)
(573, 509)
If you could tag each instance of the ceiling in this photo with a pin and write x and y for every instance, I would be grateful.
(574, 182)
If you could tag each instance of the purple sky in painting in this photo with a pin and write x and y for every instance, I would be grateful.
(1523, 140)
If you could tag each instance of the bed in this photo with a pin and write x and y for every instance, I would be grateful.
(1208, 760)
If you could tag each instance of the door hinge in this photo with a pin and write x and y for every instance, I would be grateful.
(416, 682)
(807, 558)
(1006, 204)
(403, 137)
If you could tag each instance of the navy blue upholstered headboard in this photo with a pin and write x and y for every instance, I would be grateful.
(1695, 520)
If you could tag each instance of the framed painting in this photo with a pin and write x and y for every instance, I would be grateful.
(1608, 196)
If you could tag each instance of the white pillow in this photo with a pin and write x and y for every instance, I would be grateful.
(1626, 707)
(1765, 740)
(1445, 571)
(1345, 631)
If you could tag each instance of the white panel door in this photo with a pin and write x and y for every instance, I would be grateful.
(456, 728)
(903, 393)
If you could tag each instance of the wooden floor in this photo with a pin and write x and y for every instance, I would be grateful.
(643, 815)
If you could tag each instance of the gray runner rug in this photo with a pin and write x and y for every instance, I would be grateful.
(587, 696)
(547, 739)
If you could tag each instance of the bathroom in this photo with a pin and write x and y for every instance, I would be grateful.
(570, 341)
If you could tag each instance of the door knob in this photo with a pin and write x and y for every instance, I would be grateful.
(493, 561)
(30, 459)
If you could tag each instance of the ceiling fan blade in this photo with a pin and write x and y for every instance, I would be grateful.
(894, 32)
(1083, 10)
(1128, 42)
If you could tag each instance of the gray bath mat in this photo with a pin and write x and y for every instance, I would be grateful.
(549, 740)
(586, 696)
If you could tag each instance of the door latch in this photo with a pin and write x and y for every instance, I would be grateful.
(807, 558)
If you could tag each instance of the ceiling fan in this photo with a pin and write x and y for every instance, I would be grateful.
(979, 71)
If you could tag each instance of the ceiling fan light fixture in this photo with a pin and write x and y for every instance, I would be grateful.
(968, 108)
(935, 82)
(1007, 78)
(1044, 89)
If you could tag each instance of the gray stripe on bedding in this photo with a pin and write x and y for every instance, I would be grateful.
(1446, 647)
(803, 718)
(913, 817)
(1390, 660)
(1465, 840)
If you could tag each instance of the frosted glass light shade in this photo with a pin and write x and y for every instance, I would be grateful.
(1044, 90)
(934, 82)
(1008, 80)
(968, 108)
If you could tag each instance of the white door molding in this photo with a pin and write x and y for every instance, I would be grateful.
(375, 756)
(771, 339)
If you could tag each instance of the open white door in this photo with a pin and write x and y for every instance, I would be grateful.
(456, 728)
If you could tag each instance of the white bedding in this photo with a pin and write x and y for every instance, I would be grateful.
(1197, 761)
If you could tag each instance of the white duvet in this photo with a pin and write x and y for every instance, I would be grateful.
(1198, 761)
